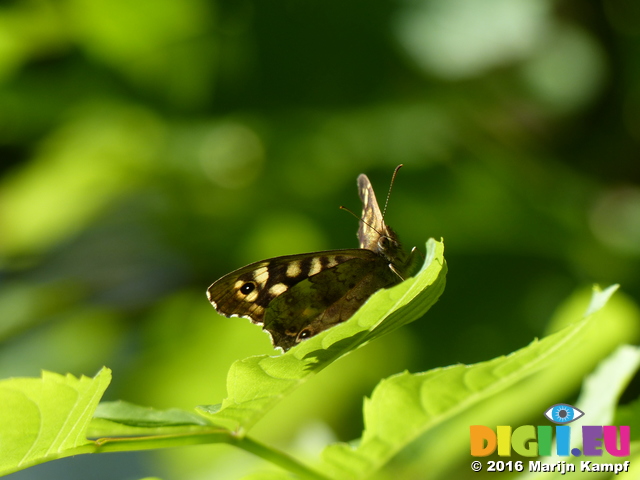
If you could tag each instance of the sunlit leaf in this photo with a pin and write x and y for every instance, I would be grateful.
(46, 418)
(256, 384)
(600, 394)
(602, 389)
(135, 415)
(405, 406)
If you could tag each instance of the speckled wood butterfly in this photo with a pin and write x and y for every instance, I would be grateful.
(295, 297)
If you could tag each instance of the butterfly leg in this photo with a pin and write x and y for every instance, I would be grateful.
(395, 270)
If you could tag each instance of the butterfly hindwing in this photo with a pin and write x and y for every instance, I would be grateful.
(326, 299)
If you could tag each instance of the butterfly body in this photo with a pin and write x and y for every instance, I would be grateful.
(294, 297)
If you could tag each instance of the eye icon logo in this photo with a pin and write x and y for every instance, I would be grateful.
(555, 440)
(563, 413)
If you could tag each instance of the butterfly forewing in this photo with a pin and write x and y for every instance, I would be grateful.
(240, 293)
(248, 291)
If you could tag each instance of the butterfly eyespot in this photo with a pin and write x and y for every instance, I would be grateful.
(247, 288)
(303, 335)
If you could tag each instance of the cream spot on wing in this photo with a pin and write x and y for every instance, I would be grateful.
(293, 269)
(331, 261)
(238, 284)
(261, 274)
(252, 296)
(316, 266)
(278, 289)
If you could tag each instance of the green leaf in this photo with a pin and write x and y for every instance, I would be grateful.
(256, 384)
(602, 389)
(600, 393)
(122, 426)
(616, 324)
(406, 406)
(129, 414)
(46, 418)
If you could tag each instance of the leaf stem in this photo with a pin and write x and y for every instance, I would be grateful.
(278, 458)
(283, 460)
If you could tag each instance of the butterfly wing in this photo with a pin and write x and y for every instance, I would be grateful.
(228, 297)
(372, 225)
(327, 298)
(297, 296)
(248, 291)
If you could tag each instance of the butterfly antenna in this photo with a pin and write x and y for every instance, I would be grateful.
(393, 179)
(359, 218)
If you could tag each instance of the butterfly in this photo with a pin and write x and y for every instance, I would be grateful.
(295, 297)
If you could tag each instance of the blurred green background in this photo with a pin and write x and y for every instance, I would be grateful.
(149, 147)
